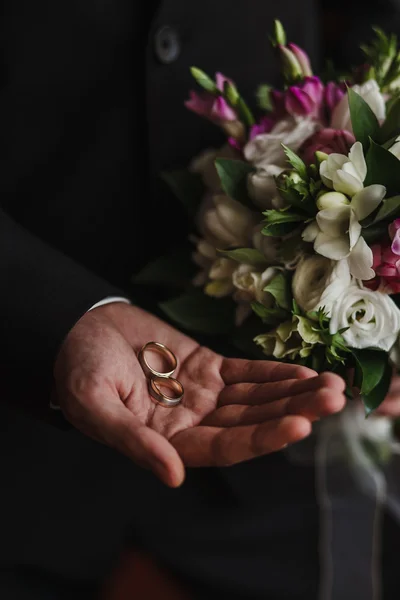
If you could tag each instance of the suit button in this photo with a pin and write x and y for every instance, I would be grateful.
(167, 45)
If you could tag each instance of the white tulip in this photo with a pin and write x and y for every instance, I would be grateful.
(228, 222)
(372, 319)
(395, 149)
(265, 150)
(370, 92)
(318, 282)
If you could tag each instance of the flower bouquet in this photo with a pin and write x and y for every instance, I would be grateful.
(297, 218)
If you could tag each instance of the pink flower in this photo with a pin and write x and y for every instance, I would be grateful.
(302, 58)
(333, 94)
(214, 108)
(305, 99)
(386, 265)
(394, 232)
(328, 141)
(263, 126)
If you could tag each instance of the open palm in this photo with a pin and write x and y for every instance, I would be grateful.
(232, 410)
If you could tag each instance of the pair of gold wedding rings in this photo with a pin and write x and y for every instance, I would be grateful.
(161, 379)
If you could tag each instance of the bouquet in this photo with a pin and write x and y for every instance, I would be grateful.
(297, 217)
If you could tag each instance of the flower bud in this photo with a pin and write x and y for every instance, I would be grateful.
(279, 36)
(292, 70)
(302, 58)
(332, 200)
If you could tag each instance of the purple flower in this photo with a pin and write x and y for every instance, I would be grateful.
(305, 99)
(263, 126)
(302, 58)
(327, 141)
(334, 92)
(394, 232)
(214, 108)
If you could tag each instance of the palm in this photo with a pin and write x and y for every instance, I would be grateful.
(232, 409)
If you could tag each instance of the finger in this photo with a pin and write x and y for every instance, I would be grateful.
(103, 416)
(390, 407)
(216, 446)
(311, 405)
(237, 370)
(253, 393)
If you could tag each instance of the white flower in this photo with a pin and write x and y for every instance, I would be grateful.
(336, 233)
(228, 223)
(220, 274)
(372, 319)
(266, 244)
(370, 92)
(395, 149)
(262, 187)
(319, 282)
(265, 150)
(249, 285)
(204, 164)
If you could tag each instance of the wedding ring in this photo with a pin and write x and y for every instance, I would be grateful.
(164, 399)
(160, 349)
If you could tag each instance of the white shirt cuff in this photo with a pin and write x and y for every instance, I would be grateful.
(103, 302)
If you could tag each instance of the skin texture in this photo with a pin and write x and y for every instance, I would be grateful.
(233, 409)
(391, 405)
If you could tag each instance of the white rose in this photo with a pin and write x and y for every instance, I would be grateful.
(249, 285)
(228, 223)
(319, 282)
(370, 92)
(265, 150)
(395, 149)
(372, 319)
(204, 164)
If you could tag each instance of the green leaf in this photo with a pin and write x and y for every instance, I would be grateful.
(204, 80)
(375, 232)
(231, 93)
(270, 316)
(279, 288)
(248, 256)
(188, 188)
(391, 126)
(176, 269)
(281, 222)
(364, 122)
(233, 175)
(195, 311)
(296, 162)
(384, 168)
(371, 376)
(389, 210)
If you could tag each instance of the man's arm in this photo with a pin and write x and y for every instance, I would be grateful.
(44, 293)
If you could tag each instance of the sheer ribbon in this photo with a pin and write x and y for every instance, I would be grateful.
(357, 466)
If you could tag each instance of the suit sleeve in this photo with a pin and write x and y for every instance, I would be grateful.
(43, 294)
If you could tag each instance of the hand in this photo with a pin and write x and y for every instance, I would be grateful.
(233, 409)
(390, 407)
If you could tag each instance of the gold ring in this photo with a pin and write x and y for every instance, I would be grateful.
(161, 349)
(160, 397)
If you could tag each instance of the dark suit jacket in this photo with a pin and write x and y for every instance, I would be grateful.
(89, 115)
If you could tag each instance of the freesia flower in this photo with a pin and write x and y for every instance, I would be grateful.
(319, 282)
(262, 187)
(394, 232)
(249, 285)
(266, 244)
(371, 319)
(333, 94)
(214, 108)
(327, 141)
(228, 223)
(302, 58)
(370, 92)
(263, 126)
(336, 233)
(290, 340)
(305, 99)
(395, 149)
(220, 275)
(204, 164)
